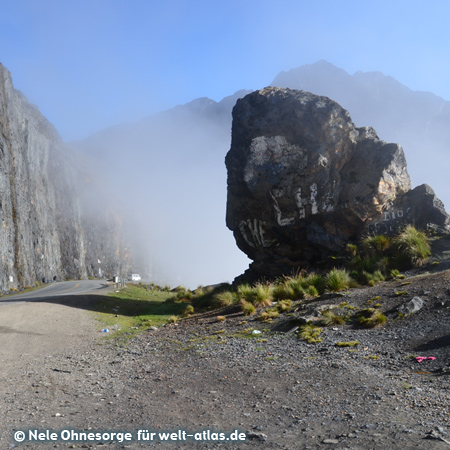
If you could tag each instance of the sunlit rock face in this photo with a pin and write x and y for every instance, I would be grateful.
(46, 230)
(303, 181)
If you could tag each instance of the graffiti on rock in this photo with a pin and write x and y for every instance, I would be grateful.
(305, 204)
(390, 222)
(253, 232)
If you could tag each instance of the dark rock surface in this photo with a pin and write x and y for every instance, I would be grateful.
(47, 231)
(303, 181)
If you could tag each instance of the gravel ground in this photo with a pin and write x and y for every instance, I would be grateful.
(201, 374)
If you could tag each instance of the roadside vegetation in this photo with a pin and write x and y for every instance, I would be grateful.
(374, 259)
(136, 308)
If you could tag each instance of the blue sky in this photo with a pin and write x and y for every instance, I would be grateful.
(89, 64)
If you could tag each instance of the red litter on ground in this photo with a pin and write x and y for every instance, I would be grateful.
(425, 358)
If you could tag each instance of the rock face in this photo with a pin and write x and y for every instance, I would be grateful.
(46, 231)
(303, 181)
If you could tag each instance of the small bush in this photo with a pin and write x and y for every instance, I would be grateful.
(400, 293)
(208, 297)
(179, 289)
(289, 289)
(284, 291)
(259, 295)
(314, 281)
(284, 305)
(377, 244)
(221, 318)
(184, 294)
(262, 295)
(222, 299)
(188, 310)
(329, 318)
(247, 308)
(312, 292)
(172, 319)
(199, 291)
(337, 280)
(412, 246)
(310, 334)
(373, 278)
(352, 250)
(394, 273)
(347, 344)
(299, 287)
(371, 317)
(245, 292)
(373, 299)
(268, 315)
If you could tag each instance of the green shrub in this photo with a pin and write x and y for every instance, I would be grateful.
(207, 297)
(412, 246)
(314, 281)
(172, 319)
(188, 310)
(199, 291)
(377, 244)
(330, 318)
(337, 280)
(311, 292)
(373, 278)
(347, 344)
(245, 292)
(262, 295)
(285, 291)
(225, 298)
(352, 250)
(400, 293)
(259, 295)
(268, 315)
(179, 289)
(184, 294)
(371, 317)
(247, 308)
(299, 287)
(284, 305)
(221, 318)
(394, 273)
(310, 333)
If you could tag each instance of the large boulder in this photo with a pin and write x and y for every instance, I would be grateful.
(303, 181)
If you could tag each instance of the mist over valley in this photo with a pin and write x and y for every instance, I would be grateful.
(167, 174)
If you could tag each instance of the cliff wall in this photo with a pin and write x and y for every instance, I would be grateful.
(46, 230)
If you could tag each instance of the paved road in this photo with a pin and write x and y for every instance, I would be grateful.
(58, 289)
